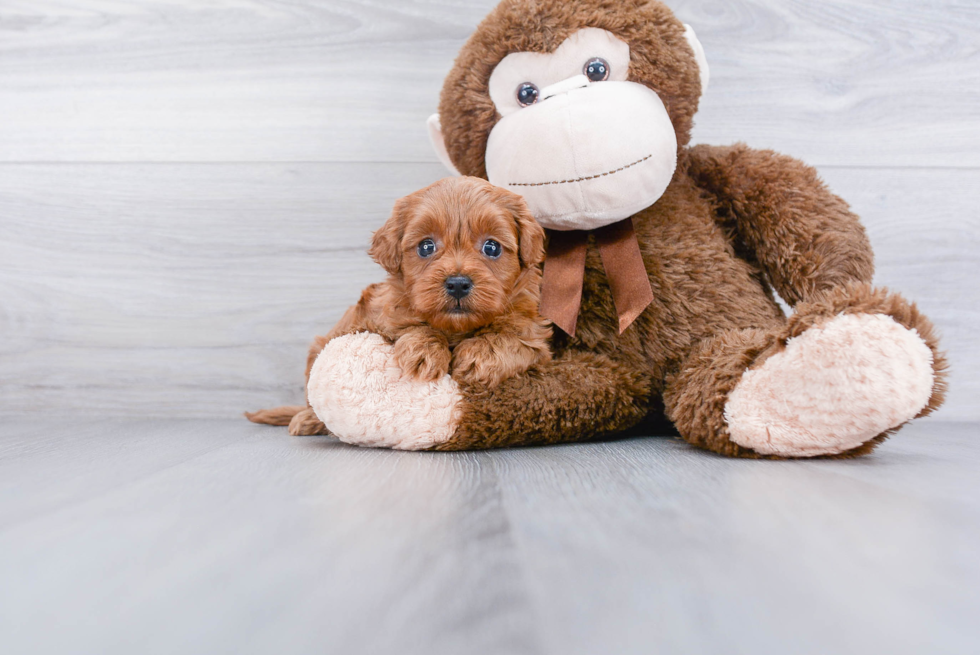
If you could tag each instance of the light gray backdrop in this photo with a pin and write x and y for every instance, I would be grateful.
(187, 187)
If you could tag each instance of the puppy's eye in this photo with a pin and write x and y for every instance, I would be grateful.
(426, 248)
(596, 69)
(492, 249)
(527, 94)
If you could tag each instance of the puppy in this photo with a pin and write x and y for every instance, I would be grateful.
(463, 260)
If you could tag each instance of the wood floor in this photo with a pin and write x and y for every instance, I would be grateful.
(151, 536)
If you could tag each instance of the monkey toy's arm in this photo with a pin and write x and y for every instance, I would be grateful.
(805, 238)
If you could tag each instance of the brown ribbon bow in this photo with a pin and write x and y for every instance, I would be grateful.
(564, 271)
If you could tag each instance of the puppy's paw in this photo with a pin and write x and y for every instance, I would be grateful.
(306, 424)
(423, 355)
(490, 359)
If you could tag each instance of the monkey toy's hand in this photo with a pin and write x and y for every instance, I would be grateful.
(423, 354)
(358, 389)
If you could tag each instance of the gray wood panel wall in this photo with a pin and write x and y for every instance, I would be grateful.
(187, 187)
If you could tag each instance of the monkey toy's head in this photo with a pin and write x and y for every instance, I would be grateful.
(580, 106)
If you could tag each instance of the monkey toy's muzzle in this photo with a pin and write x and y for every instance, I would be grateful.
(587, 154)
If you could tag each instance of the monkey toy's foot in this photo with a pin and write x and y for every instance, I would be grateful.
(833, 388)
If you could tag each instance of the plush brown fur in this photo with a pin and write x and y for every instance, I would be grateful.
(492, 334)
(734, 224)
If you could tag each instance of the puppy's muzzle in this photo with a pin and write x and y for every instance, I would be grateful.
(459, 286)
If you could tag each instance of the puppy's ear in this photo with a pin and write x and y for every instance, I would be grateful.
(530, 234)
(386, 243)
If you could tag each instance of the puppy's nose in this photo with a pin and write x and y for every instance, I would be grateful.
(459, 286)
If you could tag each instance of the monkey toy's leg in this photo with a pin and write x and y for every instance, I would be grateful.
(834, 380)
(574, 397)
(851, 364)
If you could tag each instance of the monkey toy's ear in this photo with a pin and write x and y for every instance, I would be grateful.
(439, 143)
(386, 242)
(699, 56)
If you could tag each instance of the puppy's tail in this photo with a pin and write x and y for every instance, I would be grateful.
(275, 416)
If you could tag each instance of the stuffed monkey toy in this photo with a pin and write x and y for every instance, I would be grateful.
(662, 264)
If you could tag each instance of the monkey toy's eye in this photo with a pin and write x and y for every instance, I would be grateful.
(597, 69)
(492, 249)
(426, 248)
(527, 94)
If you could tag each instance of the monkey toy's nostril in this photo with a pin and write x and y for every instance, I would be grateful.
(575, 82)
(459, 286)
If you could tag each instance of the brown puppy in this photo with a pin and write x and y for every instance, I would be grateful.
(463, 260)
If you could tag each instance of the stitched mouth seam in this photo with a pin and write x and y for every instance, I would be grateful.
(583, 179)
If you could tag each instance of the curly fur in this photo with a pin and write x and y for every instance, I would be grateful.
(492, 334)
